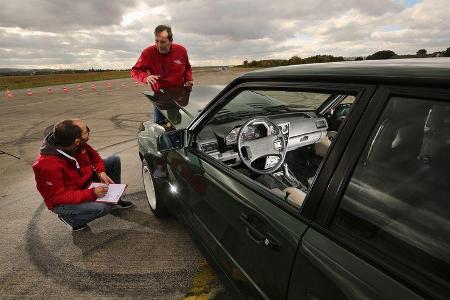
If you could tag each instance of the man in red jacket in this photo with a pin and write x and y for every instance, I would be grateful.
(163, 65)
(65, 168)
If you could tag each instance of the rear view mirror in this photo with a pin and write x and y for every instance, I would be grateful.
(171, 140)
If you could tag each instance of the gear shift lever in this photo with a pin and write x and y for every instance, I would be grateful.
(289, 176)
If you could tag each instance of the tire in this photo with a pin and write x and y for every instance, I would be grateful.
(154, 196)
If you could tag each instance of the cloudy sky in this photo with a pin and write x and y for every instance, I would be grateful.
(111, 34)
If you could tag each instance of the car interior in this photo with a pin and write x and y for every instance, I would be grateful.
(276, 138)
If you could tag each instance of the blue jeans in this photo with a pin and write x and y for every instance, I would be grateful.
(80, 214)
(157, 115)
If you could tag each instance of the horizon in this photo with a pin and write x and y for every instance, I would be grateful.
(400, 56)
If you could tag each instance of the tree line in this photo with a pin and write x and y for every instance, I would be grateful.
(296, 60)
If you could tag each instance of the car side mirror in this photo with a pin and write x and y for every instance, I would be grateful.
(172, 140)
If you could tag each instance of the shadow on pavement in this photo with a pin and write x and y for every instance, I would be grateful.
(148, 259)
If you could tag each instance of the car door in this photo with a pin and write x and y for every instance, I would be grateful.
(252, 234)
(251, 237)
(381, 231)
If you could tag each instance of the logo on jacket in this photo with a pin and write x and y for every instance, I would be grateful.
(49, 183)
(178, 62)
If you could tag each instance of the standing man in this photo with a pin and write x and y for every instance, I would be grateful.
(163, 65)
(65, 168)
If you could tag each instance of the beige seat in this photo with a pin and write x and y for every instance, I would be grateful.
(295, 196)
(321, 147)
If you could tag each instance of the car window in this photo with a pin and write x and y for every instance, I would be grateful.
(397, 200)
(305, 100)
(266, 102)
(277, 138)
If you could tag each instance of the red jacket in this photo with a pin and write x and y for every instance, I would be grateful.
(60, 180)
(173, 67)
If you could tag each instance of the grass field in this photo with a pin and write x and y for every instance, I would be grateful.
(31, 81)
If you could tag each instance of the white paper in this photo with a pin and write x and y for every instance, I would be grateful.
(114, 193)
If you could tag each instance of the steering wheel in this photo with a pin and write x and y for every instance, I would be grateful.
(251, 149)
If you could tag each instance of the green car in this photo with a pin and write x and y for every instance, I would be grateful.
(323, 181)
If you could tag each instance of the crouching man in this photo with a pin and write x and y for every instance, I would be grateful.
(65, 168)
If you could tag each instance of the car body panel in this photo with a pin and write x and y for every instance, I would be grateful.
(148, 138)
(226, 211)
(424, 71)
(325, 270)
(217, 206)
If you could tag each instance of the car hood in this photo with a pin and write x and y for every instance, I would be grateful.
(182, 105)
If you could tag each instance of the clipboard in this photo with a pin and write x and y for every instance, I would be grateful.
(115, 191)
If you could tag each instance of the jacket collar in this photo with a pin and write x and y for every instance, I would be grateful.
(49, 148)
(69, 157)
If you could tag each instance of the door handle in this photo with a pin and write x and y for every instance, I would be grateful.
(263, 239)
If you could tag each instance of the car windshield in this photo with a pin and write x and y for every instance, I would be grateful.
(262, 102)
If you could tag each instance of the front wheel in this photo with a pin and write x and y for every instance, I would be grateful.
(154, 198)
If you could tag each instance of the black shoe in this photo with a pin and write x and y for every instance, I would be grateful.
(123, 204)
(77, 228)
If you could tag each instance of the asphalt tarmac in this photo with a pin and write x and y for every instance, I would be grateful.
(127, 254)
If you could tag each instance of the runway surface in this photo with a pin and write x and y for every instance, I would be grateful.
(127, 254)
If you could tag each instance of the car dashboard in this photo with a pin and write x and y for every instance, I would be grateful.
(299, 129)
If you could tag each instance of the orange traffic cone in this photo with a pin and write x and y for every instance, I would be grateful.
(109, 85)
(93, 87)
(80, 88)
(29, 92)
(124, 84)
(65, 89)
(50, 91)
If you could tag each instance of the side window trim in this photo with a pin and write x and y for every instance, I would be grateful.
(380, 129)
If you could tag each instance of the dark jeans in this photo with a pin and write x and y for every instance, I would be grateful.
(157, 115)
(80, 214)
(113, 168)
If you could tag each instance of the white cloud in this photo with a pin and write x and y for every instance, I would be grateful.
(111, 34)
(142, 12)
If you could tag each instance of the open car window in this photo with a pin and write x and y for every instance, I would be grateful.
(277, 138)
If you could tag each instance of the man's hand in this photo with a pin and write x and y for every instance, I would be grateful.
(105, 178)
(100, 191)
(152, 79)
(189, 83)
